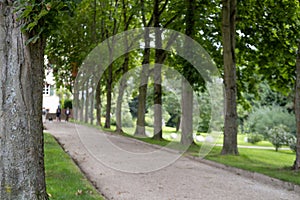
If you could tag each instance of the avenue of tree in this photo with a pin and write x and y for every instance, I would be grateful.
(251, 42)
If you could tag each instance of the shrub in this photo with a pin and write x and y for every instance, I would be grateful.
(292, 143)
(255, 138)
(67, 103)
(127, 120)
(279, 136)
(265, 118)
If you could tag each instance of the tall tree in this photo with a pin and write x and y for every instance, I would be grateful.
(297, 110)
(187, 91)
(140, 123)
(228, 36)
(113, 14)
(157, 73)
(21, 134)
(125, 66)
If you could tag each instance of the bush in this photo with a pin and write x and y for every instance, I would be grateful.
(127, 120)
(255, 138)
(149, 121)
(265, 118)
(292, 142)
(279, 136)
(67, 103)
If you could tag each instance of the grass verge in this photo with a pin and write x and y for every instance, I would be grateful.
(63, 178)
(269, 162)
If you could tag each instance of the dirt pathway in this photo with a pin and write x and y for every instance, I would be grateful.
(123, 168)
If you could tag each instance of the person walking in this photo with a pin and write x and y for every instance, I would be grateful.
(58, 113)
(67, 113)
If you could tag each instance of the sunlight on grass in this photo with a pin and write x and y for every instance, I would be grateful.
(63, 178)
(268, 162)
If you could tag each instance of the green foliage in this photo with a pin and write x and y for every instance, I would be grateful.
(127, 120)
(205, 111)
(292, 142)
(262, 27)
(171, 105)
(39, 16)
(133, 107)
(255, 138)
(68, 103)
(265, 118)
(279, 136)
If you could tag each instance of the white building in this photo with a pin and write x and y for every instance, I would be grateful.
(50, 99)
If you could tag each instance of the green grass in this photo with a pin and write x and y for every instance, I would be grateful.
(268, 162)
(63, 178)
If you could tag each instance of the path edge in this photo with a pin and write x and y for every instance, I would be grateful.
(251, 175)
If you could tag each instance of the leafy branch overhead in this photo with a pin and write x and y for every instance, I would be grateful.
(39, 16)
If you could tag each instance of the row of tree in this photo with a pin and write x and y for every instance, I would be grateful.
(259, 40)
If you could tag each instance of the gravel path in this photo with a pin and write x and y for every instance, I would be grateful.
(126, 169)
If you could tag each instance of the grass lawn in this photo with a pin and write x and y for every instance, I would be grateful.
(63, 178)
(268, 162)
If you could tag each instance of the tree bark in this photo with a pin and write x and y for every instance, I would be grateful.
(81, 107)
(187, 91)
(21, 134)
(228, 35)
(140, 123)
(297, 110)
(123, 84)
(87, 98)
(157, 74)
(187, 113)
(98, 104)
(92, 106)
(122, 87)
(108, 96)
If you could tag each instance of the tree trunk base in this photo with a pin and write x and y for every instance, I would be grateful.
(233, 152)
(296, 166)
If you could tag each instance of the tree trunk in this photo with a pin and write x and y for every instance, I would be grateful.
(110, 68)
(21, 134)
(92, 106)
(228, 34)
(297, 110)
(98, 104)
(157, 74)
(122, 87)
(140, 123)
(187, 91)
(187, 113)
(81, 108)
(108, 96)
(76, 106)
(123, 84)
(157, 102)
(87, 98)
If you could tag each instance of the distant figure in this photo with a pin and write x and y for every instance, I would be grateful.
(44, 111)
(67, 112)
(44, 114)
(58, 113)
